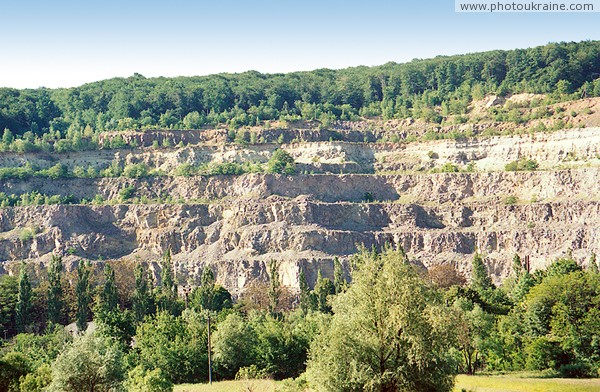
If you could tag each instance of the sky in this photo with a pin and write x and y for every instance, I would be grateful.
(66, 43)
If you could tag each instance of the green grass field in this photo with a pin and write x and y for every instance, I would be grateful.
(513, 383)
(506, 383)
(229, 386)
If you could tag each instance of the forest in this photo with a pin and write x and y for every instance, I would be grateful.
(431, 89)
(396, 326)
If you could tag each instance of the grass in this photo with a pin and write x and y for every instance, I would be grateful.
(504, 383)
(512, 383)
(230, 386)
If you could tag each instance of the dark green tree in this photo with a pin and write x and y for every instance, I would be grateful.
(109, 296)
(168, 285)
(24, 301)
(480, 279)
(55, 290)
(517, 266)
(339, 282)
(142, 301)
(324, 288)
(111, 320)
(166, 297)
(9, 291)
(306, 297)
(207, 289)
(593, 264)
(281, 162)
(274, 286)
(7, 137)
(83, 296)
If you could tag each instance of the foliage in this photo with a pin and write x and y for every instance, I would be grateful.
(480, 279)
(83, 296)
(142, 299)
(13, 366)
(234, 345)
(166, 296)
(37, 380)
(271, 346)
(91, 363)
(142, 380)
(55, 291)
(174, 344)
(523, 164)
(9, 291)
(445, 276)
(281, 162)
(209, 295)
(23, 316)
(388, 332)
(135, 170)
(322, 292)
(433, 89)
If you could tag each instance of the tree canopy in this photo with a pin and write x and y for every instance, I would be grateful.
(389, 332)
(390, 90)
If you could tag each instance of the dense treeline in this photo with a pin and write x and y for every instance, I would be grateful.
(428, 89)
(395, 327)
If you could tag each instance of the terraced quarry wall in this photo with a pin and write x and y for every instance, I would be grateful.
(386, 194)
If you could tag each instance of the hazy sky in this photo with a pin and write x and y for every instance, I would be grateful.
(62, 43)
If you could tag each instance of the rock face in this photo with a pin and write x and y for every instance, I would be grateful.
(387, 194)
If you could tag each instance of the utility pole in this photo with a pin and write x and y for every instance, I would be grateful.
(209, 355)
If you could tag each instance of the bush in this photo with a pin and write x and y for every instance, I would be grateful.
(143, 380)
(136, 170)
(12, 367)
(126, 193)
(26, 235)
(522, 164)
(281, 162)
(185, 170)
(37, 380)
(55, 172)
(18, 173)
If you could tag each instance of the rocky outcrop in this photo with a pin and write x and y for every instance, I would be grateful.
(238, 238)
(386, 195)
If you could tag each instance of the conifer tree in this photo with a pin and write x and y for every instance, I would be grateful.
(305, 294)
(55, 291)
(168, 286)
(109, 297)
(207, 289)
(480, 279)
(323, 289)
(142, 298)
(274, 289)
(339, 282)
(24, 301)
(82, 292)
(593, 266)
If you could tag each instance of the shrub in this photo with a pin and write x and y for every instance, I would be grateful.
(522, 164)
(126, 193)
(136, 170)
(143, 380)
(26, 235)
(55, 172)
(281, 162)
(185, 170)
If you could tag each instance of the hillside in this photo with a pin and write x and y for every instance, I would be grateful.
(442, 192)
